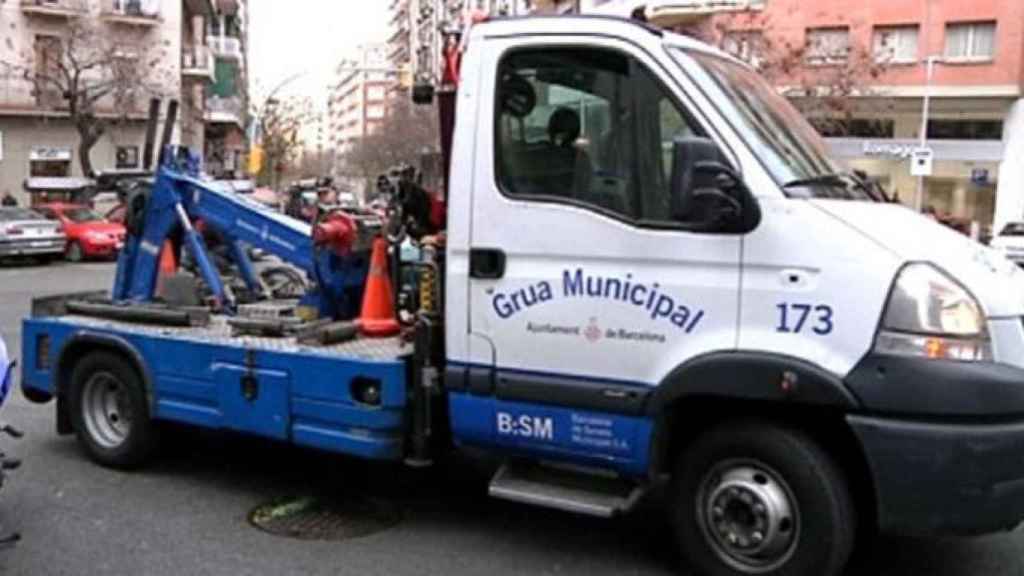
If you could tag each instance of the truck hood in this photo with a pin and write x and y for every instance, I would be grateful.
(997, 283)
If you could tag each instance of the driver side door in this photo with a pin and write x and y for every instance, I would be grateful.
(586, 288)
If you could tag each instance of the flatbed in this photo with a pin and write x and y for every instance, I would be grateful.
(303, 393)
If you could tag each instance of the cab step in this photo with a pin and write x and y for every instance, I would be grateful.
(582, 491)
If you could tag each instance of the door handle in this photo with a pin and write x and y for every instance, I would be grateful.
(486, 263)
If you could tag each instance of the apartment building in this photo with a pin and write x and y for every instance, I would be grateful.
(37, 137)
(975, 125)
(227, 98)
(357, 103)
(401, 45)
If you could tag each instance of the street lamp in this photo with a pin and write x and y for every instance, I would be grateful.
(930, 63)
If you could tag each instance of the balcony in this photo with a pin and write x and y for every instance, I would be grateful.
(52, 8)
(144, 13)
(225, 47)
(228, 6)
(197, 62)
(221, 110)
(19, 97)
(199, 8)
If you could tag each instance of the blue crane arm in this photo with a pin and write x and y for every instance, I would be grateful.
(242, 219)
(177, 198)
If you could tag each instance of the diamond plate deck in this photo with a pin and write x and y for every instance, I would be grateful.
(219, 332)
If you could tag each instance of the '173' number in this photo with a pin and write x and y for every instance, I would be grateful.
(793, 318)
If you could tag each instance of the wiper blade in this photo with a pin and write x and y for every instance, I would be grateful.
(835, 179)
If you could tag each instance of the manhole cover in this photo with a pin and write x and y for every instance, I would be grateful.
(310, 518)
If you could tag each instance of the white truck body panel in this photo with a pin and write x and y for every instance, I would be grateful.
(835, 259)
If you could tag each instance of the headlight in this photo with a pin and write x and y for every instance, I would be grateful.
(932, 316)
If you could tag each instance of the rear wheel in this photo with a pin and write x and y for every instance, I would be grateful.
(109, 411)
(760, 499)
(73, 252)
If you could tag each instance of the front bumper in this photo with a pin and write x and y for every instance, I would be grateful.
(99, 248)
(944, 479)
(33, 247)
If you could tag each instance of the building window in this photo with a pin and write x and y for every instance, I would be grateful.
(854, 127)
(827, 46)
(747, 45)
(47, 55)
(896, 44)
(375, 112)
(972, 41)
(126, 157)
(375, 93)
(965, 129)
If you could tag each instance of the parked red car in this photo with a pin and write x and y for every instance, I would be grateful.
(89, 234)
(116, 214)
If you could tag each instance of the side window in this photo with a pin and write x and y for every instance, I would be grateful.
(591, 127)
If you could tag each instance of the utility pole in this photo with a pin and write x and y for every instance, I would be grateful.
(925, 111)
(926, 105)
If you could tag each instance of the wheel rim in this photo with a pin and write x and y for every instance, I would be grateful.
(106, 410)
(748, 515)
(74, 252)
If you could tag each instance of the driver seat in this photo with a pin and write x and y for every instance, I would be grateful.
(570, 166)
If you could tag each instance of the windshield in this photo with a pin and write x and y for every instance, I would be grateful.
(80, 215)
(779, 136)
(12, 214)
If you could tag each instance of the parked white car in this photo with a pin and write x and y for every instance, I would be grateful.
(1010, 242)
(26, 233)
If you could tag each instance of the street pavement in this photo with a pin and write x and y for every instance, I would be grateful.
(187, 513)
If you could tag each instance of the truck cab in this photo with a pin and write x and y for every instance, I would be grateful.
(652, 275)
(652, 258)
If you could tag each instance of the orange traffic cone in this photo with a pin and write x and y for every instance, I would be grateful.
(378, 313)
(168, 266)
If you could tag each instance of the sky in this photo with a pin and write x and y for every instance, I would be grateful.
(308, 37)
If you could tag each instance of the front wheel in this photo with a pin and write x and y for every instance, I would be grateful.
(109, 411)
(73, 252)
(760, 499)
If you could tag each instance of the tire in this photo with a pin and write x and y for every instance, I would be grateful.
(805, 524)
(109, 411)
(284, 282)
(73, 252)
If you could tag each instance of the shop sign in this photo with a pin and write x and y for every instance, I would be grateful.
(902, 151)
(44, 153)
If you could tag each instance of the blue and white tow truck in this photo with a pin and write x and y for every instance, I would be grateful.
(652, 274)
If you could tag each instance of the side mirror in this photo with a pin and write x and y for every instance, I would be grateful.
(707, 193)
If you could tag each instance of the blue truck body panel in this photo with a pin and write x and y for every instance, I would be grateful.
(305, 397)
(304, 393)
(585, 437)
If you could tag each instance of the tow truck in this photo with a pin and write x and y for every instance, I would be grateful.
(651, 275)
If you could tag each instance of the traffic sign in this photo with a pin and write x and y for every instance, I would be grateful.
(921, 161)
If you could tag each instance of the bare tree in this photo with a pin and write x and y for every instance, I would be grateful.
(94, 73)
(831, 85)
(281, 124)
(407, 134)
